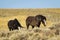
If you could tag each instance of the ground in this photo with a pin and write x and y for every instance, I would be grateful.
(52, 15)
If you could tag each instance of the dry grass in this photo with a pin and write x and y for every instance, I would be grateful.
(52, 15)
(32, 34)
(43, 33)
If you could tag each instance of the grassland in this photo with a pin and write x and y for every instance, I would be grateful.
(52, 15)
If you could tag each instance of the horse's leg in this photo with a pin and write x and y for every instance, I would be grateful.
(27, 26)
(9, 28)
(17, 28)
(39, 23)
(12, 29)
(32, 27)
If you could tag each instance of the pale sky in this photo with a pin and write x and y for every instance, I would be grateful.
(29, 3)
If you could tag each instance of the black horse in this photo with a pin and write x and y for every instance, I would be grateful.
(35, 21)
(14, 24)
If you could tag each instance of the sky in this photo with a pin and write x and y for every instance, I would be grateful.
(29, 3)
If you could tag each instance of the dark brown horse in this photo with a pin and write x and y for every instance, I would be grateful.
(35, 21)
(31, 21)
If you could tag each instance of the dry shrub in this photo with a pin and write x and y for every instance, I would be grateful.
(56, 28)
(57, 32)
(19, 36)
(3, 38)
(55, 38)
(37, 30)
(36, 37)
(33, 34)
